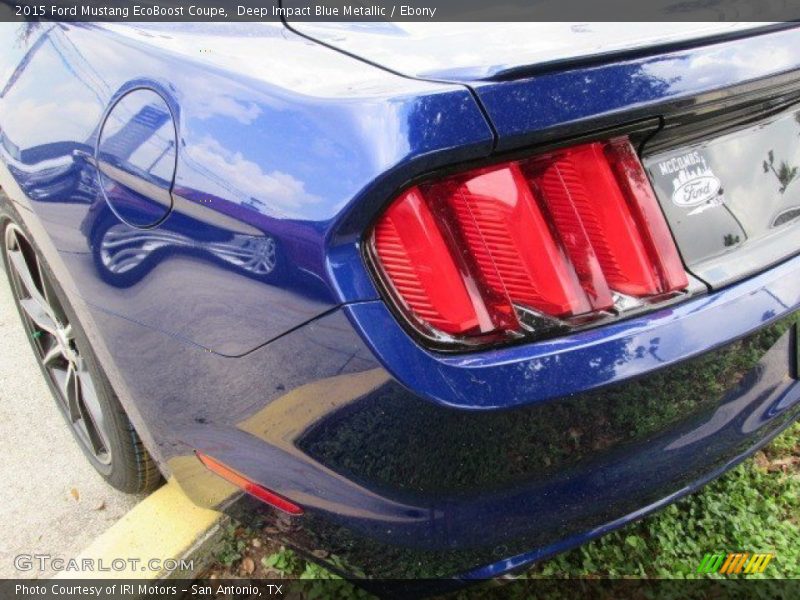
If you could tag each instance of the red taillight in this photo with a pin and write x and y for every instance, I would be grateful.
(561, 237)
(418, 261)
(249, 486)
(650, 222)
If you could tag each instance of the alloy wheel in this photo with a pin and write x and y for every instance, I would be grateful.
(53, 338)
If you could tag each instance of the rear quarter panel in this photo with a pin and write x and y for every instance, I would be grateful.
(276, 137)
(267, 147)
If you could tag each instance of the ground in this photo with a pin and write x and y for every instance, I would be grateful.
(53, 502)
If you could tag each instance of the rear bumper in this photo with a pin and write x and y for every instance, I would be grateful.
(530, 373)
(519, 561)
(411, 464)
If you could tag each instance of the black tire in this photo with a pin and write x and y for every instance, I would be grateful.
(125, 464)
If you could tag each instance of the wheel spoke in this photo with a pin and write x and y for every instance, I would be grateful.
(47, 295)
(41, 318)
(35, 304)
(22, 270)
(59, 375)
(71, 391)
(53, 304)
(52, 354)
(91, 412)
(81, 426)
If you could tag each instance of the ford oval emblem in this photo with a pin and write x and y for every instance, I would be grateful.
(693, 181)
(696, 190)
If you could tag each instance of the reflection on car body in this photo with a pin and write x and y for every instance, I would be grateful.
(123, 250)
(330, 277)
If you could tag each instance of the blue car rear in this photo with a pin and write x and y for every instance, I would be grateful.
(256, 329)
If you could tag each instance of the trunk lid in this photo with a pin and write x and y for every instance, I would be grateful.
(468, 52)
(725, 162)
(732, 198)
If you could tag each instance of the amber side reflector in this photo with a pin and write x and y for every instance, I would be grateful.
(249, 486)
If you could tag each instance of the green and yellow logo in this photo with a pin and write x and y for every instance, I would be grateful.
(735, 562)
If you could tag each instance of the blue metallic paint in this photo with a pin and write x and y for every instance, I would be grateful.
(137, 142)
(597, 93)
(520, 375)
(481, 50)
(256, 157)
(301, 378)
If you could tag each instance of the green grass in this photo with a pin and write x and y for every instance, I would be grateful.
(754, 508)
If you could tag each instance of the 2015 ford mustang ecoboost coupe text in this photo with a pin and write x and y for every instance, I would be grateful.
(438, 312)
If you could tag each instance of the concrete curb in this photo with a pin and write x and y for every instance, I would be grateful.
(165, 536)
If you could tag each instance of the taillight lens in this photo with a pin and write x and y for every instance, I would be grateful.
(531, 246)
